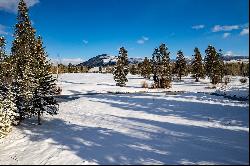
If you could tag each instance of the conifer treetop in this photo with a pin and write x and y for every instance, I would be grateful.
(23, 10)
(2, 48)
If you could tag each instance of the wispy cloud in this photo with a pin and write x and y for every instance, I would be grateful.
(218, 28)
(142, 40)
(11, 5)
(225, 35)
(245, 31)
(145, 38)
(231, 53)
(66, 61)
(3, 30)
(197, 27)
(228, 28)
(85, 41)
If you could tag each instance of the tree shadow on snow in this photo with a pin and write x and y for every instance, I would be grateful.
(76, 83)
(192, 106)
(138, 140)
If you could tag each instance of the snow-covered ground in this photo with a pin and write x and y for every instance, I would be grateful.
(104, 83)
(100, 123)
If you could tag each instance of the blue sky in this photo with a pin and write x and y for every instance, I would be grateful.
(85, 28)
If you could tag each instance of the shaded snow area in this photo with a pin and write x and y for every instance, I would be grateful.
(95, 126)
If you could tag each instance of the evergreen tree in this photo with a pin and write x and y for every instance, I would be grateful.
(8, 111)
(23, 51)
(2, 58)
(7, 105)
(2, 49)
(221, 65)
(162, 67)
(146, 69)
(133, 70)
(121, 68)
(243, 71)
(156, 67)
(70, 68)
(180, 65)
(43, 100)
(5, 65)
(212, 64)
(197, 66)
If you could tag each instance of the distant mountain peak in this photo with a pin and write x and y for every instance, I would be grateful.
(107, 60)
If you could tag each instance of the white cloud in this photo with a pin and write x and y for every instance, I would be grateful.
(85, 41)
(225, 35)
(245, 31)
(3, 30)
(145, 38)
(11, 5)
(218, 28)
(197, 27)
(66, 61)
(142, 40)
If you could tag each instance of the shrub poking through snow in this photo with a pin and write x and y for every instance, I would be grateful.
(227, 80)
(243, 80)
(58, 90)
(144, 84)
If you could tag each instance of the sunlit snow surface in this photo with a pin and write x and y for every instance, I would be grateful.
(100, 123)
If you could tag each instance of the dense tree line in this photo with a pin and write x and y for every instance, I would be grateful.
(163, 71)
(70, 68)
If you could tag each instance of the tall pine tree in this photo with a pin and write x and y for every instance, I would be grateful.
(2, 59)
(222, 68)
(23, 51)
(133, 69)
(7, 104)
(162, 67)
(8, 110)
(213, 64)
(197, 65)
(146, 68)
(180, 65)
(2, 49)
(121, 69)
(43, 100)
(5, 65)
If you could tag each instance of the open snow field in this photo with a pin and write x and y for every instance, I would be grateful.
(97, 126)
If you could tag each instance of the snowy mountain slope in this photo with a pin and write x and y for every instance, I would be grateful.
(105, 60)
(156, 127)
